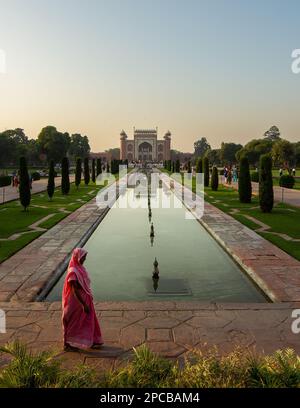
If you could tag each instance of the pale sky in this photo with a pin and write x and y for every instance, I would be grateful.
(217, 68)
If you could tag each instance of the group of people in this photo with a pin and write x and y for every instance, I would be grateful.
(293, 171)
(230, 174)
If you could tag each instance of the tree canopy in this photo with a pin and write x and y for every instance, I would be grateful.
(201, 146)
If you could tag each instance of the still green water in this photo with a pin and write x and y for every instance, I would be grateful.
(192, 266)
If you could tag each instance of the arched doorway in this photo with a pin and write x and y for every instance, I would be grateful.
(145, 151)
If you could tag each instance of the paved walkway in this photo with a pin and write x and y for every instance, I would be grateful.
(286, 195)
(168, 328)
(12, 193)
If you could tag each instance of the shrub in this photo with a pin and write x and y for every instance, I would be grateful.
(65, 181)
(238, 369)
(86, 171)
(51, 181)
(287, 181)
(5, 181)
(206, 171)
(214, 179)
(245, 188)
(266, 194)
(35, 176)
(99, 166)
(199, 165)
(93, 171)
(78, 173)
(255, 176)
(24, 188)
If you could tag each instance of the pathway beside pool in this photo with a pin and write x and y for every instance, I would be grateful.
(168, 328)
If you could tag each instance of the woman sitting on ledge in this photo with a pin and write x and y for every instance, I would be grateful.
(80, 323)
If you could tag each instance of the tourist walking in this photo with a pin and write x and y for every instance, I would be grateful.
(234, 173)
(80, 323)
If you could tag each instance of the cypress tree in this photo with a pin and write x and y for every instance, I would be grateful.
(51, 180)
(107, 167)
(173, 167)
(86, 171)
(65, 180)
(99, 166)
(245, 188)
(93, 171)
(177, 166)
(206, 171)
(189, 169)
(214, 179)
(266, 193)
(78, 173)
(24, 188)
(199, 166)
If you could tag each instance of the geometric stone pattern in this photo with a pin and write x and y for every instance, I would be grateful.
(168, 328)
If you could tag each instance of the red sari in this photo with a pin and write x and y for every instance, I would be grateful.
(81, 329)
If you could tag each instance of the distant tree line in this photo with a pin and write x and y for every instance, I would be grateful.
(49, 145)
(282, 152)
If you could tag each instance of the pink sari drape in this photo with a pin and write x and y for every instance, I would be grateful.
(81, 329)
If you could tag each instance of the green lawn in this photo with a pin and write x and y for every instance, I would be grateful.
(283, 219)
(13, 219)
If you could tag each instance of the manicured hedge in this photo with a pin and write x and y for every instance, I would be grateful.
(255, 176)
(5, 181)
(266, 194)
(287, 181)
(35, 176)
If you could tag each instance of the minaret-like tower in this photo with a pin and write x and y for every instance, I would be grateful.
(167, 138)
(123, 150)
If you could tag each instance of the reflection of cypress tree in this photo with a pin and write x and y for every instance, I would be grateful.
(86, 171)
(65, 181)
(206, 171)
(51, 180)
(214, 179)
(266, 194)
(245, 189)
(24, 188)
(99, 166)
(78, 173)
(93, 171)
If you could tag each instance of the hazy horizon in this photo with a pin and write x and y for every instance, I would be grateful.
(216, 69)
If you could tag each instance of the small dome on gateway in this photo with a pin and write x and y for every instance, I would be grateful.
(168, 134)
(123, 134)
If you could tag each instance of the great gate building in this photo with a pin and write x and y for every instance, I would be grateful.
(145, 146)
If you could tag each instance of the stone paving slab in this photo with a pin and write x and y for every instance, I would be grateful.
(172, 329)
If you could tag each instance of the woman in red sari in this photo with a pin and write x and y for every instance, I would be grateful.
(80, 323)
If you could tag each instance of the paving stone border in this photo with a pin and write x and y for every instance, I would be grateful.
(171, 329)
